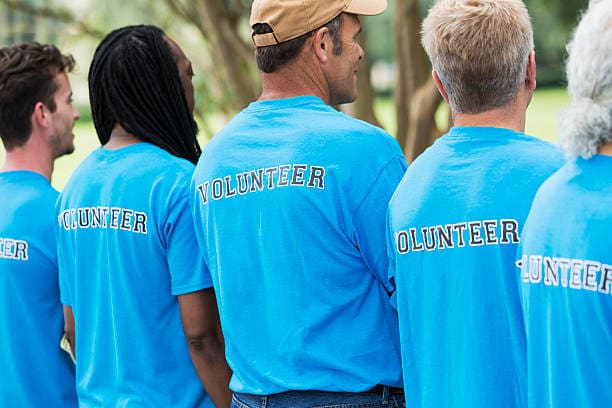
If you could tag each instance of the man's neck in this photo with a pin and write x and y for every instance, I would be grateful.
(120, 138)
(24, 158)
(297, 78)
(510, 116)
(606, 149)
(506, 117)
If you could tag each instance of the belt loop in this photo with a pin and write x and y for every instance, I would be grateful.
(264, 402)
(385, 394)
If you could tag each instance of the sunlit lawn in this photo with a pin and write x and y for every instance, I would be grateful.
(542, 117)
(542, 114)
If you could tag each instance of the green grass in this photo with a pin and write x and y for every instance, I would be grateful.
(544, 111)
(85, 141)
(542, 114)
(542, 118)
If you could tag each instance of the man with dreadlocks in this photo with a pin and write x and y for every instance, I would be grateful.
(130, 269)
(290, 200)
(36, 120)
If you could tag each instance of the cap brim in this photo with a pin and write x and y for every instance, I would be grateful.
(366, 7)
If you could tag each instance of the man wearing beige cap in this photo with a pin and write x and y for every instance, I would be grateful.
(289, 206)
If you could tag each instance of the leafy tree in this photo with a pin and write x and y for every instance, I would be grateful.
(222, 49)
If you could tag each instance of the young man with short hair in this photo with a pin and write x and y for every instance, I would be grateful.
(36, 121)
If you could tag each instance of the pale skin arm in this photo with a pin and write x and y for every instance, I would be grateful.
(202, 329)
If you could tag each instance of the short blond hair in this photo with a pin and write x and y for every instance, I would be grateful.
(479, 49)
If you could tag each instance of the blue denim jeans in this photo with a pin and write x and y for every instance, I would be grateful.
(321, 399)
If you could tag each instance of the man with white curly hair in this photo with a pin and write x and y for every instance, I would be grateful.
(455, 219)
(566, 250)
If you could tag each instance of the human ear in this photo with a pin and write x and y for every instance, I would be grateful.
(439, 85)
(530, 74)
(41, 114)
(321, 44)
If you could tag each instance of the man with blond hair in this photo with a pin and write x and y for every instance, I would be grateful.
(566, 251)
(290, 201)
(454, 220)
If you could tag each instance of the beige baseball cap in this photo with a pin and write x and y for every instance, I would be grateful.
(291, 18)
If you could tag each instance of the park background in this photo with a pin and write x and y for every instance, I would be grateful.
(395, 87)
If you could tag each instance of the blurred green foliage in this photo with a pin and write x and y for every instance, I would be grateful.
(553, 22)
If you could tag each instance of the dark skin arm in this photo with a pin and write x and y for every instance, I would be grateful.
(69, 328)
(202, 329)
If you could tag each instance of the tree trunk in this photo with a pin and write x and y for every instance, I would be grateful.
(234, 81)
(422, 130)
(234, 57)
(363, 107)
(233, 67)
(416, 96)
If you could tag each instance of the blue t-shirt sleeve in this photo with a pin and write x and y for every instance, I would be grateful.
(188, 272)
(370, 220)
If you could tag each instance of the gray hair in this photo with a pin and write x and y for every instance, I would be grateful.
(479, 49)
(586, 124)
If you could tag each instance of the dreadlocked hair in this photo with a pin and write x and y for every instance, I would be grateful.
(134, 81)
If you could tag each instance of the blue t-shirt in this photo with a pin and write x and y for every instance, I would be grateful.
(454, 224)
(289, 206)
(127, 248)
(35, 371)
(566, 270)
